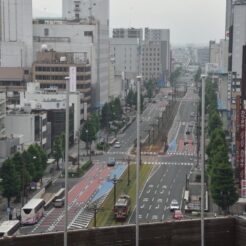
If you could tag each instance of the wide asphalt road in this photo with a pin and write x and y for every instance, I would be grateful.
(168, 180)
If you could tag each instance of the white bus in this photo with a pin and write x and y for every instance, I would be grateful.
(32, 212)
(8, 228)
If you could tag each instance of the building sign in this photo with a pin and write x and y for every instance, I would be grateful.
(243, 188)
(73, 79)
(242, 144)
(238, 108)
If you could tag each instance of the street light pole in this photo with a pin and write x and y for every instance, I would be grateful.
(86, 141)
(202, 161)
(138, 159)
(66, 161)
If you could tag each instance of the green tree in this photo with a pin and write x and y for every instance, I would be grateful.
(214, 121)
(27, 160)
(22, 172)
(105, 116)
(57, 150)
(198, 74)
(222, 186)
(116, 109)
(88, 133)
(95, 121)
(37, 161)
(43, 156)
(130, 98)
(11, 180)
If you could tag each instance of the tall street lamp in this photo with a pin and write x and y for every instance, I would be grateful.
(86, 140)
(66, 160)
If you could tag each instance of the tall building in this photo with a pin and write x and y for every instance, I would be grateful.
(214, 52)
(51, 68)
(202, 56)
(16, 40)
(156, 55)
(125, 53)
(239, 37)
(136, 33)
(218, 54)
(229, 9)
(157, 35)
(97, 12)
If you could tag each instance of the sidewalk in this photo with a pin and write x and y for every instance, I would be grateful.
(16, 206)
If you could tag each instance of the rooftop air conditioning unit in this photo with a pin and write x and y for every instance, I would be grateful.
(63, 59)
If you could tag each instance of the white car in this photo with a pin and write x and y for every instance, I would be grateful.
(174, 205)
(117, 144)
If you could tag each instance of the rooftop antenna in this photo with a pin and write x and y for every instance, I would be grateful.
(90, 11)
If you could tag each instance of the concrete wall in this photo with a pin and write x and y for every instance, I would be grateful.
(218, 232)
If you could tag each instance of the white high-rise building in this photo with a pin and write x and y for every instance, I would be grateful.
(239, 37)
(94, 11)
(228, 15)
(125, 53)
(155, 55)
(16, 33)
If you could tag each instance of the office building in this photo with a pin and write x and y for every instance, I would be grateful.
(45, 100)
(16, 33)
(51, 68)
(125, 53)
(96, 13)
(135, 33)
(239, 37)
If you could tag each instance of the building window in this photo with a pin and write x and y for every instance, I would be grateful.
(88, 33)
(46, 32)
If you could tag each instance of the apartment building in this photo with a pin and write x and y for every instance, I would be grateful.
(51, 68)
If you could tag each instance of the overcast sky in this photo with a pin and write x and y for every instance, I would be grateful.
(190, 21)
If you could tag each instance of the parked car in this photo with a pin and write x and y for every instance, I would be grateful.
(174, 205)
(178, 215)
(117, 144)
(59, 202)
(111, 161)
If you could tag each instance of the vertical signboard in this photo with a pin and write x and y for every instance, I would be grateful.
(85, 110)
(242, 144)
(238, 108)
(73, 79)
(243, 189)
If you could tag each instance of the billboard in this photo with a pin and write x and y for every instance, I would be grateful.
(238, 108)
(242, 144)
(73, 79)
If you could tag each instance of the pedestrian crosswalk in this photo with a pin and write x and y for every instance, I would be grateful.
(182, 153)
(185, 153)
(169, 163)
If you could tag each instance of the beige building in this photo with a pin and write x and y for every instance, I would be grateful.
(52, 67)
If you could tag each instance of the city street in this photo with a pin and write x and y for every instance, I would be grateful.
(168, 180)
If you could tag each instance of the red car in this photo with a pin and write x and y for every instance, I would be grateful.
(177, 215)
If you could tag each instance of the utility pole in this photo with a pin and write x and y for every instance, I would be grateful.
(66, 160)
(114, 180)
(128, 171)
(95, 208)
(138, 158)
(202, 161)
(78, 146)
